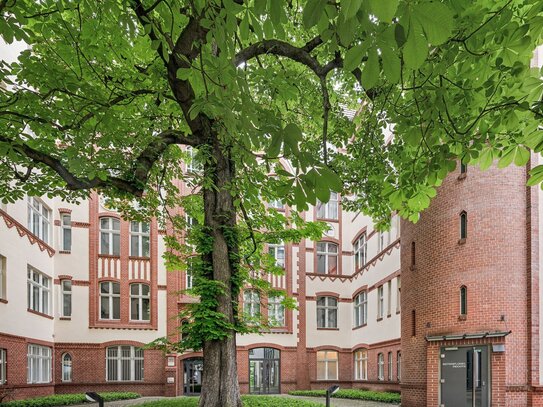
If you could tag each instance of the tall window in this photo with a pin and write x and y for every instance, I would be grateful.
(139, 239)
(361, 309)
(124, 363)
(39, 291)
(110, 300)
(327, 258)
(328, 210)
(66, 232)
(380, 366)
(389, 366)
(326, 312)
(399, 295)
(399, 365)
(39, 218)
(3, 278)
(463, 300)
(66, 367)
(193, 164)
(38, 364)
(413, 254)
(277, 251)
(463, 225)
(251, 304)
(139, 302)
(361, 364)
(3, 364)
(413, 323)
(383, 240)
(189, 282)
(389, 303)
(66, 297)
(327, 365)
(110, 236)
(360, 252)
(380, 302)
(276, 311)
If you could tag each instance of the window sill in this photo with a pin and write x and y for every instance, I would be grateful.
(41, 314)
(327, 329)
(65, 251)
(3, 301)
(110, 256)
(389, 315)
(462, 317)
(360, 326)
(327, 219)
(462, 241)
(398, 312)
(65, 318)
(327, 380)
(379, 319)
(139, 257)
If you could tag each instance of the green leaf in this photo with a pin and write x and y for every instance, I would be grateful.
(536, 176)
(391, 64)
(244, 27)
(415, 49)
(353, 57)
(349, 8)
(507, 157)
(384, 10)
(276, 9)
(522, 156)
(370, 73)
(184, 73)
(487, 158)
(312, 12)
(436, 19)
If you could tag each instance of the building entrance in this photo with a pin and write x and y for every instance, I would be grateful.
(465, 377)
(264, 371)
(192, 376)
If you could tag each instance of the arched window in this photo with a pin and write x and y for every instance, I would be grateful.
(251, 304)
(360, 249)
(463, 300)
(327, 254)
(110, 236)
(380, 366)
(463, 225)
(110, 300)
(326, 312)
(327, 365)
(361, 309)
(124, 363)
(139, 302)
(329, 210)
(139, 239)
(361, 364)
(276, 311)
(66, 367)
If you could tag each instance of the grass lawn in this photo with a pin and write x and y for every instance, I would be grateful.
(248, 401)
(67, 399)
(353, 394)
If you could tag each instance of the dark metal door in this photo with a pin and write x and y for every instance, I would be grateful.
(192, 376)
(264, 368)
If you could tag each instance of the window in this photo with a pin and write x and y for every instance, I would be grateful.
(361, 309)
(66, 297)
(383, 240)
(328, 210)
(389, 366)
(361, 365)
(39, 218)
(38, 364)
(413, 323)
(399, 365)
(3, 364)
(110, 236)
(463, 225)
(276, 311)
(189, 274)
(39, 291)
(66, 232)
(327, 365)
(193, 163)
(277, 251)
(399, 295)
(463, 300)
(66, 367)
(110, 300)
(3, 278)
(389, 303)
(139, 302)
(276, 203)
(327, 258)
(380, 367)
(360, 252)
(380, 302)
(124, 363)
(413, 253)
(251, 304)
(326, 312)
(139, 239)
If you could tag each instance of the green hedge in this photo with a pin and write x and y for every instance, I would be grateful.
(67, 399)
(352, 394)
(248, 401)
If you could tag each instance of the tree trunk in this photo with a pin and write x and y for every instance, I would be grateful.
(220, 387)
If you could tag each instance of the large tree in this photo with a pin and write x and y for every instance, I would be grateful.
(107, 90)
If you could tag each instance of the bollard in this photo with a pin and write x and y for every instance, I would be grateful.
(94, 397)
(331, 390)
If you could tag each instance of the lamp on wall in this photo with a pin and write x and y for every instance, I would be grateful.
(331, 390)
(94, 397)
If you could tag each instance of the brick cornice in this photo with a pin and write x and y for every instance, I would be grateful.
(23, 231)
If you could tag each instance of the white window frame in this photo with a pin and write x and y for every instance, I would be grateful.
(330, 305)
(389, 304)
(140, 299)
(189, 275)
(192, 164)
(111, 232)
(361, 309)
(3, 278)
(39, 218)
(329, 210)
(251, 304)
(360, 249)
(140, 243)
(327, 359)
(66, 367)
(115, 364)
(111, 300)
(3, 366)
(381, 366)
(361, 364)
(65, 297)
(66, 232)
(277, 251)
(36, 280)
(389, 366)
(380, 302)
(276, 311)
(327, 253)
(39, 366)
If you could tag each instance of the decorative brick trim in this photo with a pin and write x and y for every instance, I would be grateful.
(23, 231)
(84, 225)
(64, 210)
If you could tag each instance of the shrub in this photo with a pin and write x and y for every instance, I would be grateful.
(68, 399)
(248, 401)
(353, 394)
